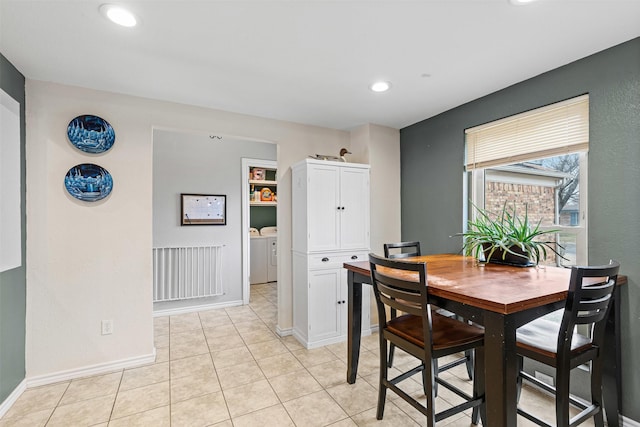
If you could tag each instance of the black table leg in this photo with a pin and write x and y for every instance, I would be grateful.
(501, 370)
(354, 325)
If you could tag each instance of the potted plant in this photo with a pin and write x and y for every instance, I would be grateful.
(507, 238)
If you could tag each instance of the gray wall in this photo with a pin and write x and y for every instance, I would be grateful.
(432, 153)
(13, 282)
(194, 163)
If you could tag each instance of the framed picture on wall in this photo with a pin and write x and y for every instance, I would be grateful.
(203, 209)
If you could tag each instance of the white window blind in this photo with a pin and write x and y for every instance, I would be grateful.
(552, 130)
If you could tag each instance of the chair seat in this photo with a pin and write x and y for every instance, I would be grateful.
(541, 336)
(446, 332)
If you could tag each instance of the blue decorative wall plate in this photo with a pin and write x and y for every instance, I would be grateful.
(91, 134)
(88, 182)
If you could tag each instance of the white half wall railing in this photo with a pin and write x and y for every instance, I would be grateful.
(187, 272)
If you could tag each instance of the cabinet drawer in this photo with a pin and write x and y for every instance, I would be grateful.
(335, 260)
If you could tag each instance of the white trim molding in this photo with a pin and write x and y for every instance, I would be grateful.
(628, 422)
(101, 368)
(11, 399)
(284, 332)
(193, 308)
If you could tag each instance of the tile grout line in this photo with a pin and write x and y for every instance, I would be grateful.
(306, 368)
(115, 399)
(57, 404)
(213, 365)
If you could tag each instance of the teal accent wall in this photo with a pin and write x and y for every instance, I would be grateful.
(13, 282)
(262, 216)
(432, 153)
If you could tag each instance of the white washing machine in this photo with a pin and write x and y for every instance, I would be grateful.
(258, 260)
(272, 263)
(264, 255)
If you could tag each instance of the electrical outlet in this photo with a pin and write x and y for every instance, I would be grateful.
(107, 327)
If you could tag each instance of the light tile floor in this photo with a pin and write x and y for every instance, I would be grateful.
(228, 367)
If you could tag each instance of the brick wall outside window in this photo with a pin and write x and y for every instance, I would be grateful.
(540, 202)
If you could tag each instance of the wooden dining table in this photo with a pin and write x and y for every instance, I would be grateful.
(501, 298)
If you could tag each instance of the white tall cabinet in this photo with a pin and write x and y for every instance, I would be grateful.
(330, 225)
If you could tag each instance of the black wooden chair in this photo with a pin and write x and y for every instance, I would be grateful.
(426, 335)
(398, 251)
(412, 249)
(558, 344)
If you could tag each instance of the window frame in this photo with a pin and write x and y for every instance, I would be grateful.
(475, 180)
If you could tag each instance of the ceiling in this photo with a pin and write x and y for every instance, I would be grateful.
(310, 61)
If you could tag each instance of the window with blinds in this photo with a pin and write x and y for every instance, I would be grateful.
(553, 130)
(535, 161)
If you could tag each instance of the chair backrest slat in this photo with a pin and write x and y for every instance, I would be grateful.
(407, 249)
(401, 300)
(398, 282)
(592, 310)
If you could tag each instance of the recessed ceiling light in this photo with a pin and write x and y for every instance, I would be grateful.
(521, 2)
(380, 86)
(119, 15)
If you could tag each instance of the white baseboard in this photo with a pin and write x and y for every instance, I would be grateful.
(628, 422)
(284, 332)
(101, 368)
(192, 308)
(11, 399)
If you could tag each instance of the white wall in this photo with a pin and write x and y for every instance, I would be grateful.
(380, 147)
(186, 162)
(88, 262)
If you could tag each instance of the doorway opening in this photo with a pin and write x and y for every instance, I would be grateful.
(259, 213)
(196, 163)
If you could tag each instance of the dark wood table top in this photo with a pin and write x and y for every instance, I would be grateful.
(499, 288)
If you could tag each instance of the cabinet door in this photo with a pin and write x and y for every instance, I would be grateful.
(323, 210)
(354, 211)
(325, 308)
(366, 306)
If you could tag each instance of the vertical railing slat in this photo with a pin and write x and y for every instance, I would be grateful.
(187, 272)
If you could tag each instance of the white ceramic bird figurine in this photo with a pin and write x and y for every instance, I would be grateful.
(342, 153)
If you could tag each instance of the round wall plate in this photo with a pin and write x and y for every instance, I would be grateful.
(91, 134)
(88, 182)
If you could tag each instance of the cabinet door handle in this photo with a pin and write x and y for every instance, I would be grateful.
(354, 256)
(325, 259)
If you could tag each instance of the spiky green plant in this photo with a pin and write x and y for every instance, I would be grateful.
(507, 233)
